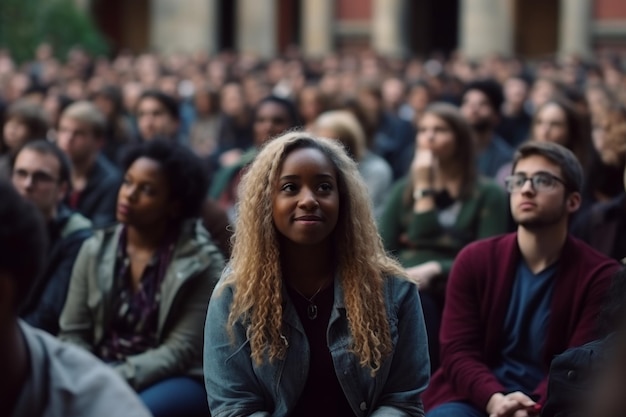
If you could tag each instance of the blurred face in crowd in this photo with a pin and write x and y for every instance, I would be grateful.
(609, 137)
(435, 135)
(309, 103)
(550, 125)
(393, 93)
(36, 177)
(15, 133)
(536, 207)
(370, 104)
(232, 101)
(515, 92)
(271, 120)
(419, 98)
(77, 139)
(597, 99)
(477, 110)
(541, 92)
(144, 197)
(105, 105)
(154, 120)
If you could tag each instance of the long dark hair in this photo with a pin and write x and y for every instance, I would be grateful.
(464, 143)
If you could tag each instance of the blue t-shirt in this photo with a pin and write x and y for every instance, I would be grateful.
(496, 154)
(525, 329)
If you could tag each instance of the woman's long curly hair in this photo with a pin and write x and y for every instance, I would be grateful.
(362, 264)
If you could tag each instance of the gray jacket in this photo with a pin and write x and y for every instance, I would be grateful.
(65, 381)
(185, 292)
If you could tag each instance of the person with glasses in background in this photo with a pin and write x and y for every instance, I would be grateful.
(41, 174)
(42, 376)
(515, 301)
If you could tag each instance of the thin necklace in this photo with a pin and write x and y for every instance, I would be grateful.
(311, 310)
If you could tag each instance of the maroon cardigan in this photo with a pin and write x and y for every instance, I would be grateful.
(477, 298)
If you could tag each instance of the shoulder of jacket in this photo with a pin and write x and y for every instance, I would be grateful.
(100, 237)
(76, 222)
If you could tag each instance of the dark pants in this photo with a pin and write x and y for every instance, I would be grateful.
(456, 409)
(432, 306)
(176, 397)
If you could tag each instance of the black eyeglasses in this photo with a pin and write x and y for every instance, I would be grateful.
(541, 181)
(38, 177)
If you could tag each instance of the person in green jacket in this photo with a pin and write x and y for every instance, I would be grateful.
(439, 207)
(139, 290)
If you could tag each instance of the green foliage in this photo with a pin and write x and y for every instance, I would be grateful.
(24, 24)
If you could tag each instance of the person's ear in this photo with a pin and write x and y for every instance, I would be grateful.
(64, 188)
(573, 202)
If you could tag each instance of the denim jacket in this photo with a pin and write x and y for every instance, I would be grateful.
(237, 387)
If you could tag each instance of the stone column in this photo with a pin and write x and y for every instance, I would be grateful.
(317, 32)
(257, 24)
(575, 27)
(184, 26)
(485, 27)
(389, 35)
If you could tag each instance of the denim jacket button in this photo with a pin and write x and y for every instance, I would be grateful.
(363, 406)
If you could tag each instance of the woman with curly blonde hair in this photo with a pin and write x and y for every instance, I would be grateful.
(312, 317)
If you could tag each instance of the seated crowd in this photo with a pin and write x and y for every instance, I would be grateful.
(308, 238)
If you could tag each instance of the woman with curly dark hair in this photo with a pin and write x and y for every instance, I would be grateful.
(139, 289)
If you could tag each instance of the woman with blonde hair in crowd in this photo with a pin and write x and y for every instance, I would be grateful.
(343, 126)
(441, 206)
(311, 317)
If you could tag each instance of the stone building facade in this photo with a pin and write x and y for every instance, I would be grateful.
(530, 28)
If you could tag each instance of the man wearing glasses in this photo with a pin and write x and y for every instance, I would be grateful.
(42, 376)
(515, 301)
(41, 174)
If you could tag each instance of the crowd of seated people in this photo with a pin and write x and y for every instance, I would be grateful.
(496, 188)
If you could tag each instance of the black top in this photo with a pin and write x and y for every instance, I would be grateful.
(46, 297)
(322, 394)
(98, 200)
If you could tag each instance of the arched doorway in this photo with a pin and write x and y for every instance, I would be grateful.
(227, 22)
(125, 24)
(433, 26)
(536, 28)
(288, 24)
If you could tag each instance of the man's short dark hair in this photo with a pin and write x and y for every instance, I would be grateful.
(490, 88)
(168, 102)
(22, 239)
(187, 175)
(46, 147)
(558, 155)
(288, 105)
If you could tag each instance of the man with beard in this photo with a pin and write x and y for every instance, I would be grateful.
(515, 301)
(481, 105)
